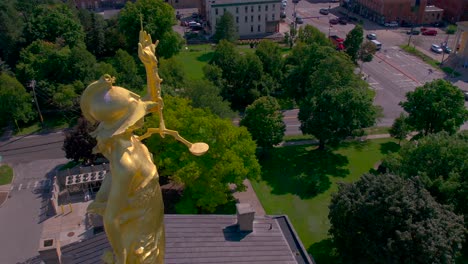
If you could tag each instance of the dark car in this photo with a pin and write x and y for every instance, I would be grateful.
(299, 20)
(342, 21)
(413, 32)
(334, 21)
(324, 11)
(446, 49)
(283, 14)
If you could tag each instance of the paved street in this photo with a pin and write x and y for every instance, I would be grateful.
(34, 147)
(392, 73)
(21, 215)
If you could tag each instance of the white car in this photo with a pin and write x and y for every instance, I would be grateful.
(391, 24)
(436, 48)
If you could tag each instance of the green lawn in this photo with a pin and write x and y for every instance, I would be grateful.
(298, 181)
(6, 174)
(194, 58)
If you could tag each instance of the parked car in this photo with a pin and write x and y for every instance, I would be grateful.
(371, 36)
(334, 21)
(342, 20)
(324, 11)
(466, 94)
(429, 32)
(283, 14)
(446, 49)
(436, 48)
(299, 20)
(413, 32)
(391, 24)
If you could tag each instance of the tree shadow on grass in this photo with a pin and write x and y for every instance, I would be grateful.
(205, 57)
(388, 147)
(324, 252)
(302, 170)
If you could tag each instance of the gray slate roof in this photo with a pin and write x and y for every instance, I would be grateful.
(211, 239)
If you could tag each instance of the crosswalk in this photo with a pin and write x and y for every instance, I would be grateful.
(31, 185)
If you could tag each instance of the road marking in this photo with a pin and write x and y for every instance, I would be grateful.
(35, 184)
(19, 188)
(27, 186)
(11, 188)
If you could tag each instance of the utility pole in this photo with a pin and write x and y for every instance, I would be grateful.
(443, 49)
(33, 86)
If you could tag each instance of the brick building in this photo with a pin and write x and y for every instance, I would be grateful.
(98, 4)
(454, 10)
(402, 11)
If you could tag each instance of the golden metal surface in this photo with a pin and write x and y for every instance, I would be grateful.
(131, 202)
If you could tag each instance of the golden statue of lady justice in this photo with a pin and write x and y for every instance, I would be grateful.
(131, 202)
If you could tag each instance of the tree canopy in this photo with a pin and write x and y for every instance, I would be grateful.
(230, 159)
(440, 160)
(310, 34)
(264, 120)
(78, 143)
(400, 129)
(436, 106)
(353, 42)
(387, 219)
(158, 19)
(15, 102)
(226, 28)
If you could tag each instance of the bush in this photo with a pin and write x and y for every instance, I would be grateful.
(6, 174)
(451, 29)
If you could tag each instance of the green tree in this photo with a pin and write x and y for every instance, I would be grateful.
(172, 73)
(337, 113)
(400, 129)
(15, 102)
(158, 19)
(230, 159)
(11, 27)
(353, 42)
(264, 120)
(270, 55)
(309, 34)
(226, 28)
(94, 27)
(440, 161)
(299, 66)
(366, 53)
(386, 219)
(436, 106)
(127, 71)
(204, 94)
(54, 23)
(78, 143)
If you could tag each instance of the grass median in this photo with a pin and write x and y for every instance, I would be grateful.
(6, 174)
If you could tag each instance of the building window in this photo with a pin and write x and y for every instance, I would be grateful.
(237, 19)
(216, 11)
(237, 10)
(251, 18)
(251, 28)
(245, 19)
(259, 8)
(251, 8)
(266, 7)
(224, 10)
(246, 9)
(273, 17)
(237, 29)
(273, 6)
(258, 28)
(259, 18)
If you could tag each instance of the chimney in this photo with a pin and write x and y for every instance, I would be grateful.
(49, 251)
(245, 217)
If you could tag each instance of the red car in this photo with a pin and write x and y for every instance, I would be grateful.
(429, 32)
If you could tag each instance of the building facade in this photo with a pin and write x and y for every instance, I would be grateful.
(252, 17)
(181, 4)
(454, 10)
(98, 4)
(401, 11)
(460, 45)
